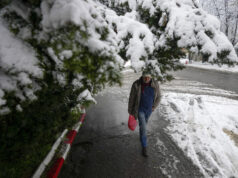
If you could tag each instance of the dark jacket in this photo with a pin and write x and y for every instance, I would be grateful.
(135, 95)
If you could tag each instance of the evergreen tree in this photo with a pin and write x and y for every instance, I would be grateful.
(76, 48)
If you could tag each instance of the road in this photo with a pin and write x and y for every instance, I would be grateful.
(223, 80)
(105, 147)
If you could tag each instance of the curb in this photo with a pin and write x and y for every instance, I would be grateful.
(55, 169)
(49, 157)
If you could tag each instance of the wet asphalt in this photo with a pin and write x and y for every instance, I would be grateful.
(223, 80)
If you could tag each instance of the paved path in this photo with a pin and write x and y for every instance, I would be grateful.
(105, 148)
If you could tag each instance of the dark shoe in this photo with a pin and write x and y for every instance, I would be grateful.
(144, 152)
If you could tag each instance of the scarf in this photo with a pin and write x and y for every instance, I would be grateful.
(143, 85)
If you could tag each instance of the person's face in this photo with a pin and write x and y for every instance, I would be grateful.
(146, 79)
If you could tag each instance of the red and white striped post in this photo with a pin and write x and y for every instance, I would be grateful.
(55, 170)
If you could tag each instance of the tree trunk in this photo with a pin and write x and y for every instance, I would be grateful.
(226, 17)
(218, 12)
(236, 25)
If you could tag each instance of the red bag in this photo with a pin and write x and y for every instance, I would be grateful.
(132, 123)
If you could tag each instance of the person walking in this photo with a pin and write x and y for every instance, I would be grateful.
(144, 97)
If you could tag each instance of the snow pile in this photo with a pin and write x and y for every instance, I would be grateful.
(18, 66)
(199, 125)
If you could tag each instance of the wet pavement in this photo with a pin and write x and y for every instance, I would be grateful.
(219, 79)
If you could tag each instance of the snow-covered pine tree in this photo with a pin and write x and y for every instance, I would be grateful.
(78, 37)
(55, 54)
(227, 13)
(177, 25)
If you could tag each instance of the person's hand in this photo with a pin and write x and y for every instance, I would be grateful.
(153, 108)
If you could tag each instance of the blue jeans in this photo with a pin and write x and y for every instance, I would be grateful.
(143, 119)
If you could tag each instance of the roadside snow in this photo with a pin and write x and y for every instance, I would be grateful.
(209, 66)
(198, 124)
(184, 61)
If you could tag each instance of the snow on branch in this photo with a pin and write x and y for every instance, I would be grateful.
(123, 33)
(87, 41)
(134, 38)
(18, 65)
(187, 23)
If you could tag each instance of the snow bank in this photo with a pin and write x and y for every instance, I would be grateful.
(197, 124)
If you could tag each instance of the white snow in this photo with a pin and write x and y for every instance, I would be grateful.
(18, 61)
(86, 95)
(66, 54)
(88, 15)
(184, 61)
(197, 124)
(187, 20)
(209, 66)
(184, 19)
(141, 41)
(16, 55)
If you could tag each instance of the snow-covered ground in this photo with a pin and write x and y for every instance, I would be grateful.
(205, 128)
(209, 66)
(184, 61)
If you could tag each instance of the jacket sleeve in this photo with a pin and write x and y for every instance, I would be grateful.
(131, 102)
(158, 97)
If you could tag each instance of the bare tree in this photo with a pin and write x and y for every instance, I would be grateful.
(227, 13)
(234, 40)
(217, 10)
(226, 17)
